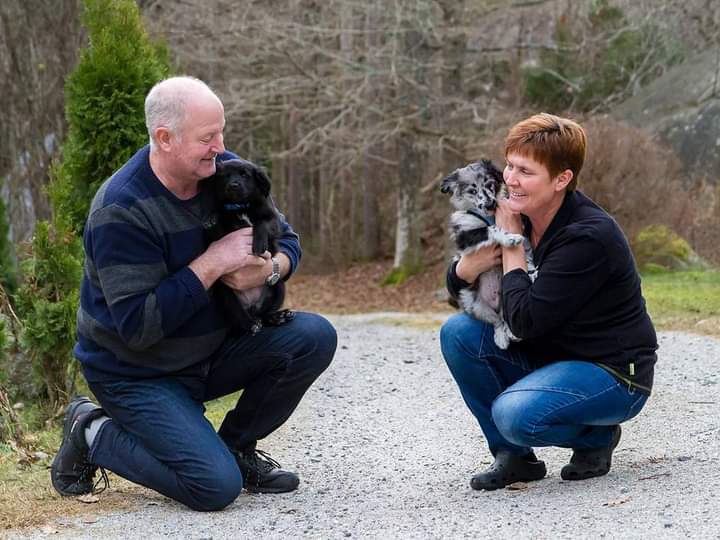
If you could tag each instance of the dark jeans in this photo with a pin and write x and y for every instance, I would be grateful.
(159, 437)
(571, 404)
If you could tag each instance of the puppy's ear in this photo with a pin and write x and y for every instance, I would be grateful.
(493, 170)
(262, 180)
(448, 182)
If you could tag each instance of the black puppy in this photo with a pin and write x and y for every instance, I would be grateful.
(241, 191)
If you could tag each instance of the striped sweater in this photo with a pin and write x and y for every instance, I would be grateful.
(143, 312)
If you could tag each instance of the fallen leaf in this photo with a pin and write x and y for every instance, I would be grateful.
(617, 502)
(517, 486)
(88, 498)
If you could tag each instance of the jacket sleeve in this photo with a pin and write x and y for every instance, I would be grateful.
(453, 282)
(573, 270)
(145, 302)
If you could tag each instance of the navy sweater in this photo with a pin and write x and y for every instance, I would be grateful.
(143, 312)
(586, 303)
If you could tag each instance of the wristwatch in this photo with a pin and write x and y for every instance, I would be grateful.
(274, 277)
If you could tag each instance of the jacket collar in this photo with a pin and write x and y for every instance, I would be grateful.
(572, 200)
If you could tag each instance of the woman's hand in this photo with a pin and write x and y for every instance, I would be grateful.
(471, 265)
(506, 219)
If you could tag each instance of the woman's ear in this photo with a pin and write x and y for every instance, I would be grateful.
(563, 179)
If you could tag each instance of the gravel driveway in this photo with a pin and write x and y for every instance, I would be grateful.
(386, 448)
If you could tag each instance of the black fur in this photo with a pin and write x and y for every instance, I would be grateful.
(241, 191)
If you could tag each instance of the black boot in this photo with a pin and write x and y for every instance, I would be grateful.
(262, 474)
(71, 472)
(509, 468)
(590, 462)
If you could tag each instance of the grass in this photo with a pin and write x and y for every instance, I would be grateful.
(687, 301)
(27, 498)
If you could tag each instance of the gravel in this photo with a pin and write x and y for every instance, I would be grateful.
(386, 448)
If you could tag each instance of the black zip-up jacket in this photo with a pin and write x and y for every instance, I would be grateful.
(586, 303)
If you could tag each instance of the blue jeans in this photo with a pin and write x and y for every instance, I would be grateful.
(158, 435)
(571, 404)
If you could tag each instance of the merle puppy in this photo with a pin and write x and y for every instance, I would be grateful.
(474, 191)
(241, 191)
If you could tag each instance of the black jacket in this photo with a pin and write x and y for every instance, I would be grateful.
(586, 302)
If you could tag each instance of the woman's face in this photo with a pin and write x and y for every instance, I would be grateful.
(531, 190)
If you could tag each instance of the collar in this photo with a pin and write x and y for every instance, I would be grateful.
(236, 207)
(572, 200)
(489, 220)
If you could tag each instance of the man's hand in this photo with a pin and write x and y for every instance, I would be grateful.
(250, 275)
(470, 266)
(226, 255)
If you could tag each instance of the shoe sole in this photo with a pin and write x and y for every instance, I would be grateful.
(262, 489)
(269, 490)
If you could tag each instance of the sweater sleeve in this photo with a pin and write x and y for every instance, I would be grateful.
(572, 271)
(289, 244)
(146, 303)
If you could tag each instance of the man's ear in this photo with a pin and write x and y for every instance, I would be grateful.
(162, 137)
(563, 179)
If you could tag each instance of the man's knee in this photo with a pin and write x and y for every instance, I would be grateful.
(320, 340)
(215, 492)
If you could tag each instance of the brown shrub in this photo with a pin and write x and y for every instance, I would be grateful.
(635, 179)
(640, 183)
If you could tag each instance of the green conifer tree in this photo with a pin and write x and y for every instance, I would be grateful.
(104, 102)
(104, 98)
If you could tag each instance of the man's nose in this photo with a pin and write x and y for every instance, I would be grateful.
(219, 146)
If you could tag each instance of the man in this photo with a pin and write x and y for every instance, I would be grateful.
(152, 341)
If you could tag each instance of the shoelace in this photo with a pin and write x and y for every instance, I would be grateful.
(104, 479)
(86, 475)
(263, 461)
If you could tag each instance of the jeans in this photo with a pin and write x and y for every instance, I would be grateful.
(570, 403)
(158, 435)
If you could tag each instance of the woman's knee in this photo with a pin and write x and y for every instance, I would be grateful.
(461, 337)
(512, 413)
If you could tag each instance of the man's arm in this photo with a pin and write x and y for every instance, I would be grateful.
(128, 264)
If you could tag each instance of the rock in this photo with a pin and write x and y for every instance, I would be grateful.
(682, 108)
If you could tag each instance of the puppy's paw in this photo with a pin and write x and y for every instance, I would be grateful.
(505, 238)
(501, 337)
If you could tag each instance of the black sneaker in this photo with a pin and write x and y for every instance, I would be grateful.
(71, 472)
(509, 468)
(591, 462)
(262, 474)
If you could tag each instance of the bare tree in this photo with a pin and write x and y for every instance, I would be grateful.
(39, 42)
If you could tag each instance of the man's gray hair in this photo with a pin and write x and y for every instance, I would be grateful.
(166, 102)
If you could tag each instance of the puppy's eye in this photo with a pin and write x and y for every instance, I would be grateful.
(472, 191)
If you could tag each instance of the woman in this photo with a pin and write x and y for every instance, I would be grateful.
(585, 359)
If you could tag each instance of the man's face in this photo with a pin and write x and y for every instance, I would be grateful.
(200, 140)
